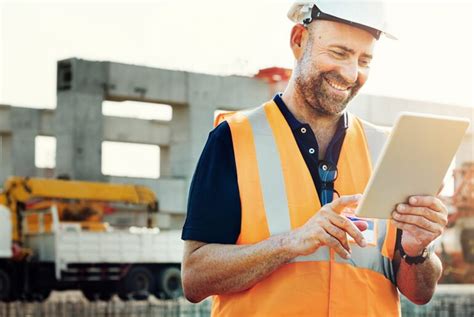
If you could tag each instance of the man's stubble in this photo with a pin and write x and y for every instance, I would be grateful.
(309, 82)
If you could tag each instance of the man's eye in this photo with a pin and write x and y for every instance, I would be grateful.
(364, 63)
(338, 54)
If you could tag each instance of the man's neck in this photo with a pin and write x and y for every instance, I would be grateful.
(323, 126)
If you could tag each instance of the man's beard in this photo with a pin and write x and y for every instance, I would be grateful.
(317, 94)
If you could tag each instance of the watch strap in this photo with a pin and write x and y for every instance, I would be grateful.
(425, 254)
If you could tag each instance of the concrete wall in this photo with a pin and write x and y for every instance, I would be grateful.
(80, 128)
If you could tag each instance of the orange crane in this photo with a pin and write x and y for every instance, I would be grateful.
(71, 198)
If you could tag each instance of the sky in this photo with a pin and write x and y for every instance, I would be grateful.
(431, 61)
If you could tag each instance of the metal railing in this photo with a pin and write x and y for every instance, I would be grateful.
(113, 308)
(449, 300)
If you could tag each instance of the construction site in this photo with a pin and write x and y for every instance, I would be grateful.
(75, 241)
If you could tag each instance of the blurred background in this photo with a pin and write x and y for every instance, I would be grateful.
(105, 107)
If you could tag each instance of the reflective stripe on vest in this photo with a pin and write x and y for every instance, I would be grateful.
(270, 173)
(278, 195)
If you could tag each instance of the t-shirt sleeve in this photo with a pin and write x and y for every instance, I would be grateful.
(213, 214)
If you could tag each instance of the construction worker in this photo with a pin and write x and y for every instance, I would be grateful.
(267, 231)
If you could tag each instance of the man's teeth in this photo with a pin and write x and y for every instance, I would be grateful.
(336, 86)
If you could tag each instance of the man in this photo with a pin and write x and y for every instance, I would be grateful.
(264, 234)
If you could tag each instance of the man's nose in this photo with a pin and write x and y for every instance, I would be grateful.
(350, 72)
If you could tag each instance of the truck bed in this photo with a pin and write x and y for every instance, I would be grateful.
(66, 246)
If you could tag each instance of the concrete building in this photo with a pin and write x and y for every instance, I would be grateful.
(80, 128)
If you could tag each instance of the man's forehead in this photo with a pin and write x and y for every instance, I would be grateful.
(337, 33)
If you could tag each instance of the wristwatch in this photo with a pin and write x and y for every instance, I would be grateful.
(425, 254)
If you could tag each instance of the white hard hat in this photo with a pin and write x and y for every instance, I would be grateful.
(369, 15)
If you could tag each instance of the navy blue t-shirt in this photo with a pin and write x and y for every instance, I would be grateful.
(214, 207)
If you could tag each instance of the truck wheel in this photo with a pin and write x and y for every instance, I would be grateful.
(43, 295)
(169, 283)
(138, 284)
(90, 294)
(94, 293)
(37, 295)
(106, 296)
(7, 293)
(125, 297)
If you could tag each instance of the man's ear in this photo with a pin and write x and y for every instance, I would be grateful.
(298, 40)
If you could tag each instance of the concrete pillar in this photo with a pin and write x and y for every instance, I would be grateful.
(6, 168)
(179, 151)
(165, 163)
(25, 124)
(79, 122)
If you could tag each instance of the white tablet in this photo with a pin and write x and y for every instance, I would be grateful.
(413, 161)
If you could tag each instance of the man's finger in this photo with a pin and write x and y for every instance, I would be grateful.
(345, 224)
(406, 226)
(339, 235)
(427, 201)
(334, 244)
(361, 224)
(418, 221)
(428, 213)
(344, 201)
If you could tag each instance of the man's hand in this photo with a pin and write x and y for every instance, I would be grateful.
(422, 220)
(329, 228)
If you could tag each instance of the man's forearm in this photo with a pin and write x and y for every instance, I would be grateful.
(418, 281)
(220, 269)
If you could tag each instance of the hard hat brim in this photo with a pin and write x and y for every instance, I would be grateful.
(369, 14)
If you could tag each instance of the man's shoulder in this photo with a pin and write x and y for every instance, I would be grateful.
(234, 115)
(221, 130)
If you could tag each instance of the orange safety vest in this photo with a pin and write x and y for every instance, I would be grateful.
(278, 195)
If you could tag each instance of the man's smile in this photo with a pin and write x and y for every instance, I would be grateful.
(337, 86)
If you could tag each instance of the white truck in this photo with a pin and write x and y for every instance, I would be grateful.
(49, 253)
